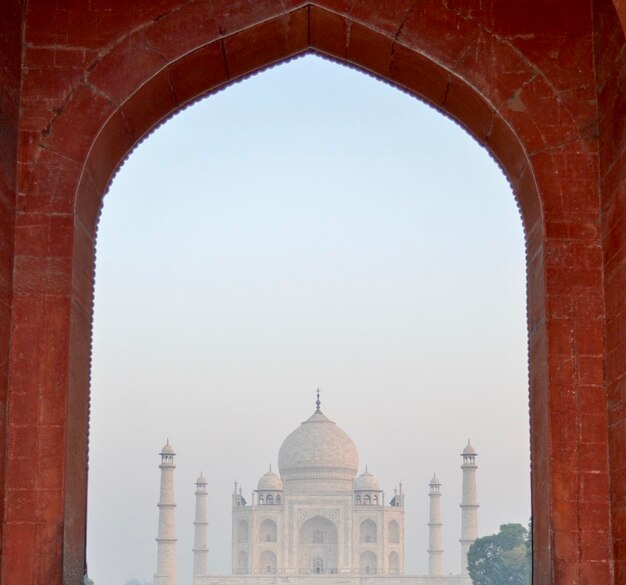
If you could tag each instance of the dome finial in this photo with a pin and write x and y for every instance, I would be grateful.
(317, 402)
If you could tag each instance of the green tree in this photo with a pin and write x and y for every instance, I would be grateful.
(501, 559)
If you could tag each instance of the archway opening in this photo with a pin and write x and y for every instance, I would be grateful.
(394, 563)
(368, 563)
(268, 562)
(317, 547)
(242, 562)
(396, 352)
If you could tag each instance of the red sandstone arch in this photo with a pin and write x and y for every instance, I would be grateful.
(525, 108)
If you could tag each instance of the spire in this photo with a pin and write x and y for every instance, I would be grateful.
(201, 530)
(166, 539)
(435, 526)
(469, 504)
(317, 402)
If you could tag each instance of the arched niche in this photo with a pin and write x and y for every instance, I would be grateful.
(242, 562)
(267, 562)
(242, 532)
(393, 563)
(393, 532)
(368, 531)
(368, 563)
(268, 531)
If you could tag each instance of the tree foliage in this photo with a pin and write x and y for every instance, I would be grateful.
(501, 559)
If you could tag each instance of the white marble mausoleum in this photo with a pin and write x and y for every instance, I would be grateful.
(317, 520)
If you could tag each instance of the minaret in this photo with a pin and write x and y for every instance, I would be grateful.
(435, 546)
(201, 531)
(469, 504)
(166, 540)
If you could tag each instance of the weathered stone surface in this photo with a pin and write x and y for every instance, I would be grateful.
(542, 85)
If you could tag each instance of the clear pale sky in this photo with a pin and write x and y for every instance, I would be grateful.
(308, 227)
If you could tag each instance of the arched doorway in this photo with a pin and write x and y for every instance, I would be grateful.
(393, 564)
(368, 563)
(316, 75)
(116, 97)
(268, 562)
(318, 547)
(242, 562)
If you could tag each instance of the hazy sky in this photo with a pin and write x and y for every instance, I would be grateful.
(309, 227)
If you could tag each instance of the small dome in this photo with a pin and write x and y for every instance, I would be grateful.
(434, 480)
(469, 449)
(167, 449)
(270, 482)
(318, 448)
(201, 480)
(366, 482)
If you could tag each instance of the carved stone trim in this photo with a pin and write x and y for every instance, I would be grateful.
(330, 514)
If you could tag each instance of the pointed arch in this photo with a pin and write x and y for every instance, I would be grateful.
(368, 563)
(242, 562)
(393, 532)
(268, 531)
(242, 531)
(144, 73)
(393, 563)
(368, 531)
(313, 558)
(267, 562)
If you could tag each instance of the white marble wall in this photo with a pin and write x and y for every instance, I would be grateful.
(332, 580)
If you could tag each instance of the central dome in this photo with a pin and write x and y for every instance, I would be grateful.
(318, 449)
